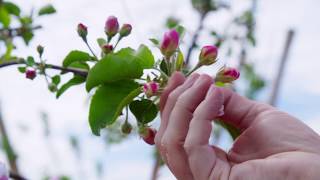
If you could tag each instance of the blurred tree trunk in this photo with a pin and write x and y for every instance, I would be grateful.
(156, 166)
(281, 68)
(6, 145)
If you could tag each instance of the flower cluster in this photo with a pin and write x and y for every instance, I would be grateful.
(111, 29)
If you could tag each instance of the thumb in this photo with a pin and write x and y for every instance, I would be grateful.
(239, 111)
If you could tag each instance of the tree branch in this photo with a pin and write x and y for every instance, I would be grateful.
(76, 71)
(195, 38)
(11, 32)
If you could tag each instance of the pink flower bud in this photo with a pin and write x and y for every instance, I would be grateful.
(82, 31)
(31, 73)
(208, 55)
(227, 75)
(112, 26)
(150, 88)
(148, 135)
(4, 173)
(169, 43)
(107, 48)
(125, 30)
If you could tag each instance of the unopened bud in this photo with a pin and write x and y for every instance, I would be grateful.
(227, 75)
(40, 50)
(82, 31)
(169, 43)
(148, 135)
(208, 55)
(52, 87)
(107, 48)
(111, 26)
(150, 88)
(125, 30)
(126, 128)
(31, 73)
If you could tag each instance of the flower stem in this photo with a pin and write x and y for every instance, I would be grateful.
(96, 58)
(194, 69)
(119, 39)
(162, 73)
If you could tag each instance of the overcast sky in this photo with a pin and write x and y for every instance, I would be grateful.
(23, 100)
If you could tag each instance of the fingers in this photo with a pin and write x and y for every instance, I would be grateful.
(202, 157)
(180, 106)
(176, 80)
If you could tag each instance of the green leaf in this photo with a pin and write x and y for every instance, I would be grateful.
(56, 79)
(4, 17)
(144, 110)
(76, 80)
(74, 57)
(172, 22)
(145, 56)
(251, 38)
(48, 9)
(12, 8)
(22, 69)
(101, 41)
(219, 84)
(179, 61)
(30, 61)
(80, 65)
(108, 102)
(154, 41)
(114, 67)
(181, 30)
(27, 36)
(25, 20)
(234, 132)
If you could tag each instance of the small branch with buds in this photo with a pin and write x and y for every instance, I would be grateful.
(11, 32)
(79, 72)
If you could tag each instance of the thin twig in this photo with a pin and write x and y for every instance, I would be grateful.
(17, 31)
(195, 38)
(76, 71)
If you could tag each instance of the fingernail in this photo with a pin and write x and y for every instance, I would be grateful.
(221, 111)
(211, 89)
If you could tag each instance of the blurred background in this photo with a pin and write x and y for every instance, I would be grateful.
(274, 43)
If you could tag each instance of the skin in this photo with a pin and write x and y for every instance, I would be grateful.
(273, 145)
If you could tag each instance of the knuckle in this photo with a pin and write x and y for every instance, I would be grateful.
(172, 96)
(171, 142)
(188, 147)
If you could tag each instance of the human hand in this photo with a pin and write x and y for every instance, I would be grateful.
(272, 145)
